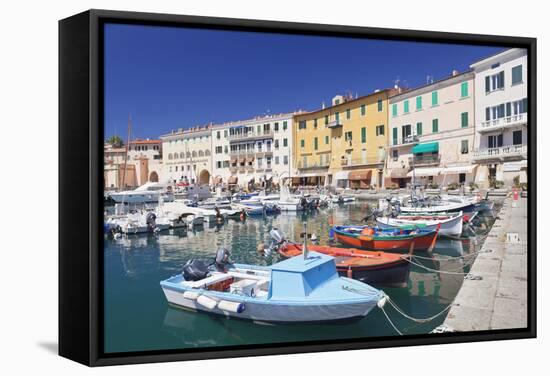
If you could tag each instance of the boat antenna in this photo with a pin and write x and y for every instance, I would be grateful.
(304, 247)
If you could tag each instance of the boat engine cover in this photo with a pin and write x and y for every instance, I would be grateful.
(195, 270)
(277, 235)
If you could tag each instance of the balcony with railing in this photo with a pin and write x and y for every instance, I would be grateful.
(312, 165)
(405, 141)
(505, 122)
(363, 161)
(425, 160)
(334, 123)
(511, 152)
(250, 136)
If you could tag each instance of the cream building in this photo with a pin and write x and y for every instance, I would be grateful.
(501, 117)
(253, 150)
(187, 155)
(146, 156)
(431, 136)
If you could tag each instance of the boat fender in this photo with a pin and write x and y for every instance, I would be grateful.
(235, 307)
(207, 302)
(382, 301)
(191, 295)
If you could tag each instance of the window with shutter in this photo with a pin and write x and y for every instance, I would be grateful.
(419, 129)
(394, 136)
(464, 119)
(363, 135)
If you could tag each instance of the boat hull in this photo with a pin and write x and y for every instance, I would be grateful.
(281, 312)
(450, 227)
(422, 242)
(371, 267)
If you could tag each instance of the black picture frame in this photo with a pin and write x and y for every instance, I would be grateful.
(80, 156)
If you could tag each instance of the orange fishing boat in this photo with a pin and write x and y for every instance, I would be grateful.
(372, 267)
(398, 239)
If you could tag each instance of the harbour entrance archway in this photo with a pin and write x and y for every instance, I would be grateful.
(204, 177)
(154, 177)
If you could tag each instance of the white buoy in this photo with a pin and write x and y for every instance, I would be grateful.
(191, 295)
(235, 307)
(207, 302)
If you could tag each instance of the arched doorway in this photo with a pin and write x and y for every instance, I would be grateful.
(204, 177)
(154, 177)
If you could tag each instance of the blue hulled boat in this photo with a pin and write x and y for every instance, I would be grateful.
(302, 289)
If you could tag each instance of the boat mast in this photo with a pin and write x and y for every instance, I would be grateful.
(126, 154)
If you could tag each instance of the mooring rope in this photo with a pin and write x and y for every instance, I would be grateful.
(434, 270)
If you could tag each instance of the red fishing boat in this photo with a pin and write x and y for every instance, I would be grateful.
(398, 239)
(371, 267)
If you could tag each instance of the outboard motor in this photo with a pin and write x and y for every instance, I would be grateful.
(222, 258)
(150, 219)
(277, 235)
(195, 270)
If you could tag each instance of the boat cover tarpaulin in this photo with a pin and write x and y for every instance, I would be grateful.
(420, 172)
(430, 147)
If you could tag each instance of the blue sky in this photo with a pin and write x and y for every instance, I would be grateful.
(169, 78)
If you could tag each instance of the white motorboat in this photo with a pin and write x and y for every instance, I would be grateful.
(450, 223)
(148, 192)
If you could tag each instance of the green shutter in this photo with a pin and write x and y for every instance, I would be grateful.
(464, 89)
(418, 103)
(464, 119)
(434, 98)
(285, 142)
(348, 114)
(326, 140)
(363, 110)
(363, 134)
(380, 105)
(394, 110)
(394, 136)
(326, 119)
(406, 106)
(315, 143)
(419, 129)
(302, 143)
(435, 125)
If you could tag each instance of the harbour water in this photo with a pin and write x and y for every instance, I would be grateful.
(138, 318)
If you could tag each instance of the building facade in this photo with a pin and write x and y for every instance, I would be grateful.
(255, 150)
(146, 156)
(343, 145)
(187, 155)
(501, 117)
(432, 133)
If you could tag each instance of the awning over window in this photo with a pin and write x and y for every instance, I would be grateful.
(249, 159)
(430, 147)
(234, 160)
(360, 175)
(399, 173)
(232, 180)
(241, 160)
(459, 169)
(341, 175)
(514, 166)
(421, 172)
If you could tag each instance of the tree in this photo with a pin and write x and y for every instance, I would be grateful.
(115, 141)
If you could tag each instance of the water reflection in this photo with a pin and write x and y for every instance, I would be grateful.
(137, 316)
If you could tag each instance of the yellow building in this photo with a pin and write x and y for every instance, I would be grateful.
(343, 145)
